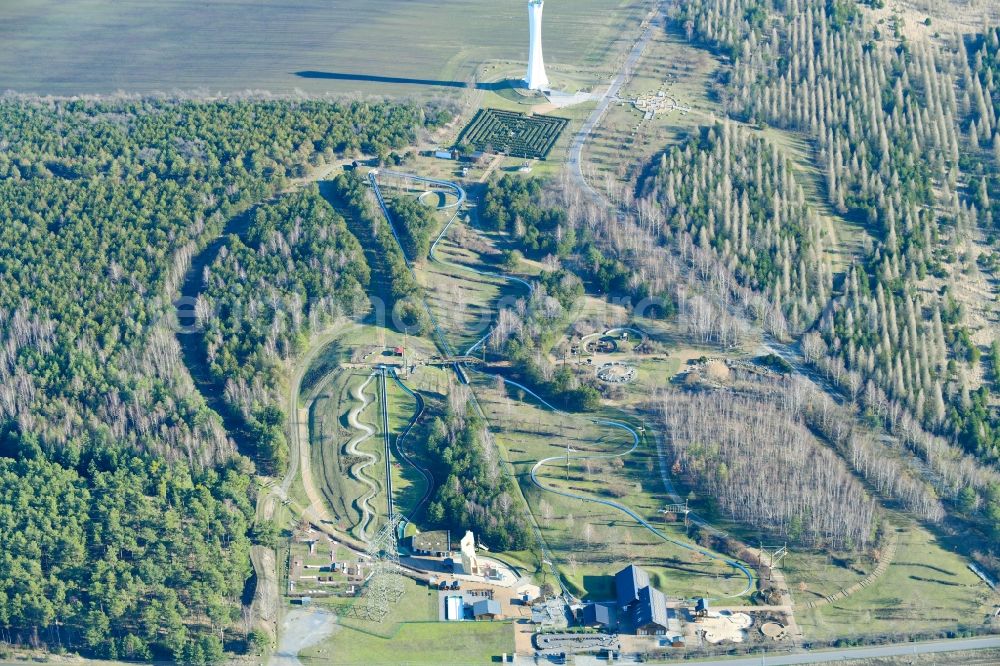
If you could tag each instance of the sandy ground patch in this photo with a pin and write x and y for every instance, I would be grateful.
(301, 628)
(717, 628)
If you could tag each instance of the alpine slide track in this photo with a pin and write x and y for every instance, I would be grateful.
(463, 368)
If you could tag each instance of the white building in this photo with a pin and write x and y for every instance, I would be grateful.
(536, 78)
(470, 563)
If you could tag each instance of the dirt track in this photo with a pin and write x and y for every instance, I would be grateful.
(265, 595)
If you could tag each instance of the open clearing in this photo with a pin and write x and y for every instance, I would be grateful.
(592, 540)
(102, 46)
(411, 634)
(927, 588)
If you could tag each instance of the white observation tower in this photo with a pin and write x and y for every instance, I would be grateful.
(536, 78)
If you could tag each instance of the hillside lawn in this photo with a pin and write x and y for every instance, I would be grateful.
(586, 559)
(927, 588)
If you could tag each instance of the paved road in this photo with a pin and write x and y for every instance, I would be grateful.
(829, 656)
(581, 138)
(790, 353)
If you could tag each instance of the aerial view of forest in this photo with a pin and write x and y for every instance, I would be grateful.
(446, 333)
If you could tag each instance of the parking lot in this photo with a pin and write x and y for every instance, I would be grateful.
(569, 643)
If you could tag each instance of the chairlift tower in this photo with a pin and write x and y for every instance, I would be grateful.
(676, 510)
(774, 556)
(536, 78)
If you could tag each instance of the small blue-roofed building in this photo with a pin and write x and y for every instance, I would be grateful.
(701, 607)
(486, 609)
(628, 582)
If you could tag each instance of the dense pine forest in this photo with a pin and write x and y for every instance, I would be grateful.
(415, 222)
(900, 131)
(399, 294)
(475, 494)
(905, 134)
(298, 269)
(730, 193)
(126, 507)
(839, 207)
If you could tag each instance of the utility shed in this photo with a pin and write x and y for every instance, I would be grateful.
(453, 607)
(486, 609)
(436, 543)
(701, 607)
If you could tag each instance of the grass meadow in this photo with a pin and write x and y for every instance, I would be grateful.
(411, 634)
(100, 46)
(928, 587)
(589, 541)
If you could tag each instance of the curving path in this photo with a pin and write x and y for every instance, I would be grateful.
(357, 470)
(615, 505)
(888, 555)
(611, 331)
(605, 422)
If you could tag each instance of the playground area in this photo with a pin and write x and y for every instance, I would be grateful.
(721, 627)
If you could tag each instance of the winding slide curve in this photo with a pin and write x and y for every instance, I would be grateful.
(461, 196)
(357, 470)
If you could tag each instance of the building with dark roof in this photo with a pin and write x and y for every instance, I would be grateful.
(436, 543)
(628, 582)
(599, 615)
(640, 604)
(649, 616)
(486, 609)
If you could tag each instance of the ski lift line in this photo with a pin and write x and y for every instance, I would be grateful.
(387, 443)
(479, 343)
(402, 436)
(385, 211)
(438, 333)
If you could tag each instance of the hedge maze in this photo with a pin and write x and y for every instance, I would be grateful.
(512, 133)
